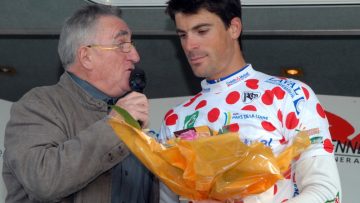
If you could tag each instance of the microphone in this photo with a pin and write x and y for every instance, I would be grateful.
(137, 80)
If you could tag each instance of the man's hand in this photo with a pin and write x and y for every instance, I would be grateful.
(137, 105)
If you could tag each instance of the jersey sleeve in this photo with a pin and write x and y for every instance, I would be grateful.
(318, 180)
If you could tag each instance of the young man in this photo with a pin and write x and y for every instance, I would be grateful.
(58, 144)
(259, 107)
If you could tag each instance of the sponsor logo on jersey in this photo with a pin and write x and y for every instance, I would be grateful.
(293, 89)
(298, 104)
(248, 97)
(266, 142)
(314, 135)
(316, 140)
(207, 89)
(335, 200)
(288, 85)
(244, 116)
(237, 79)
(190, 120)
(296, 190)
(227, 116)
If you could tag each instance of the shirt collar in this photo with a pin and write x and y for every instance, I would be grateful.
(228, 76)
(93, 91)
(228, 81)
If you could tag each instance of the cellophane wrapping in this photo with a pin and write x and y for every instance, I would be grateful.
(217, 167)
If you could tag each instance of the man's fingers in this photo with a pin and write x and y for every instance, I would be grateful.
(137, 105)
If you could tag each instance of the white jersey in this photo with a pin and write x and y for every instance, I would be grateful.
(260, 108)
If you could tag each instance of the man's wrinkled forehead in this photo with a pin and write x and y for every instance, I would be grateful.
(123, 34)
(113, 27)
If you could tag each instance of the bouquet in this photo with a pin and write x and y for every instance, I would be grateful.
(199, 164)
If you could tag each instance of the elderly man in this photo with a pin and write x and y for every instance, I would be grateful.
(58, 144)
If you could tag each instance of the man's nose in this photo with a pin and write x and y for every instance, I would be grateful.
(133, 55)
(190, 43)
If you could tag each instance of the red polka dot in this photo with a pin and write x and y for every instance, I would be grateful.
(233, 97)
(213, 115)
(291, 121)
(285, 200)
(320, 111)
(171, 120)
(268, 97)
(287, 174)
(278, 92)
(252, 84)
(280, 116)
(268, 126)
(306, 92)
(168, 113)
(192, 100)
(201, 104)
(328, 146)
(283, 140)
(249, 108)
(275, 189)
(189, 102)
(234, 127)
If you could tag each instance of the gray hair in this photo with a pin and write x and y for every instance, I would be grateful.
(79, 30)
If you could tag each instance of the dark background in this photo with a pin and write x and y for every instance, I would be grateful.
(322, 40)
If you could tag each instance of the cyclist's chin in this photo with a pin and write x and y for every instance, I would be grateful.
(199, 69)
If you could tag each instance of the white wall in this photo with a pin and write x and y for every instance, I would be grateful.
(348, 108)
(159, 107)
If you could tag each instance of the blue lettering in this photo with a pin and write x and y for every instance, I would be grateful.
(290, 83)
(266, 142)
(297, 89)
(298, 104)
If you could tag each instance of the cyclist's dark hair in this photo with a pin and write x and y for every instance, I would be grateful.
(225, 9)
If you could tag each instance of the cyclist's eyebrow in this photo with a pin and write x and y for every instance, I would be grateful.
(196, 27)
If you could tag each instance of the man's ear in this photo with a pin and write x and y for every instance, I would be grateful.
(85, 57)
(235, 27)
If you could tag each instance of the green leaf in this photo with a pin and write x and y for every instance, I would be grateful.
(127, 117)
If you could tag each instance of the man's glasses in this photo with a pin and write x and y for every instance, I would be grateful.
(124, 47)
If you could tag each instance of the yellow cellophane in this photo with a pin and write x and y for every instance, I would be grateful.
(217, 167)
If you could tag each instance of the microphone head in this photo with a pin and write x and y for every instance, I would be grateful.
(137, 80)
